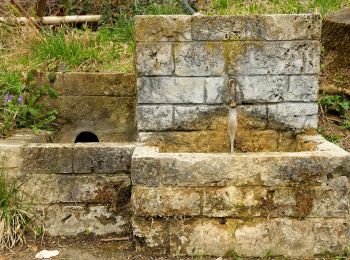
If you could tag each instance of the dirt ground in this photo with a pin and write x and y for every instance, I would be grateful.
(80, 248)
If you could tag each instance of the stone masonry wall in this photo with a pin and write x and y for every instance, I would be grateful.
(102, 103)
(292, 205)
(77, 188)
(184, 64)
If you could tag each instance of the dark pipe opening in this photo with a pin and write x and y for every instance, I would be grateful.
(86, 137)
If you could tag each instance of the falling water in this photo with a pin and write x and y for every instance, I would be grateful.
(232, 117)
(232, 125)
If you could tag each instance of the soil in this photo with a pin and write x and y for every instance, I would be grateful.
(81, 248)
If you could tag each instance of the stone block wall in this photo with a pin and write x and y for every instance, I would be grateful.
(77, 188)
(248, 205)
(184, 64)
(102, 103)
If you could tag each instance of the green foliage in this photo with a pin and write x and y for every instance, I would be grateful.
(163, 8)
(23, 105)
(336, 103)
(16, 215)
(275, 6)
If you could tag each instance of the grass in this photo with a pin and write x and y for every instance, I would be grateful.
(275, 6)
(16, 215)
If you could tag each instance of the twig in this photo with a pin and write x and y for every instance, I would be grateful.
(24, 12)
(115, 239)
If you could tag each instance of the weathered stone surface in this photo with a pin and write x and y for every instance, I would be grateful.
(164, 201)
(258, 111)
(61, 220)
(256, 58)
(199, 59)
(263, 27)
(102, 158)
(10, 154)
(296, 115)
(197, 117)
(197, 170)
(90, 84)
(215, 90)
(117, 111)
(262, 89)
(303, 88)
(285, 237)
(171, 90)
(202, 237)
(162, 28)
(255, 89)
(291, 26)
(234, 202)
(224, 28)
(47, 158)
(145, 167)
(154, 117)
(152, 233)
(269, 169)
(113, 190)
(154, 59)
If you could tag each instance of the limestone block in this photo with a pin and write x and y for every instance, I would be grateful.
(199, 59)
(102, 158)
(165, 201)
(255, 89)
(150, 234)
(303, 88)
(47, 158)
(233, 201)
(154, 117)
(197, 117)
(90, 84)
(268, 169)
(113, 190)
(159, 28)
(154, 59)
(258, 111)
(10, 154)
(61, 220)
(256, 58)
(285, 237)
(202, 237)
(195, 170)
(145, 167)
(215, 90)
(223, 28)
(291, 26)
(117, 111)
(171, 90)
(296, 115)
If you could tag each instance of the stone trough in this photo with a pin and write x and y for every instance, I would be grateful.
(162, 171)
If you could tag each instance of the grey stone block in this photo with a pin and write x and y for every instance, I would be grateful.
(197, 117)
(145, 167)
(295, 115)
(48, 158)
(102, 158)
(154, 59)
(224, 28)
(159, 28)
(255, 89)
(171, 90)
(290, 26)
(62, 220)
(165, 201)
(303, 88)
(94, 189)
(216, 90)
(154, 118)
(199, 59)
(256, 58)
